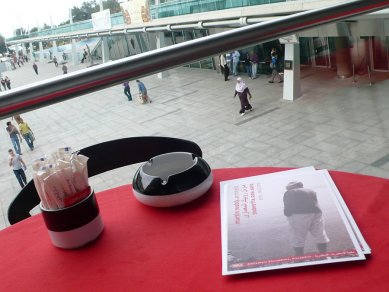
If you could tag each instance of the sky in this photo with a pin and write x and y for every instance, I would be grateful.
(30, 13)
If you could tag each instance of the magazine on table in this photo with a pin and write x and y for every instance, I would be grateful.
(365, 247)
(283, 220)
(361, 240)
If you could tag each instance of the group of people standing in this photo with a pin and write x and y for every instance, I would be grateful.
(251, 64)
(5, 83)
(18, 60)
(232, 63)
(229, 64)
(15, 160)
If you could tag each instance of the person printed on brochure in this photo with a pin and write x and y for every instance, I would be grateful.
(304, 216)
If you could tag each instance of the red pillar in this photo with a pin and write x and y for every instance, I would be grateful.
(343, 58)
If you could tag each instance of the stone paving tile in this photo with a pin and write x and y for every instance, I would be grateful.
(334, 124)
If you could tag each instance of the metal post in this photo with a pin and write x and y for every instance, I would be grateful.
(369, 73)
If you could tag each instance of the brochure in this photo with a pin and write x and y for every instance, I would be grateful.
(282, 220)
(361, 240)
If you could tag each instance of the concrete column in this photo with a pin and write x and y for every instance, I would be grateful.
(74, 52)
(292, 83)
(104, 42)
(32, 52)
(343, 58)
(24, 49)
(41, 57)
(55, 50)
(104, 49)
(160, 39)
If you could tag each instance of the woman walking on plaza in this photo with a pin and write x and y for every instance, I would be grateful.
(242, 91)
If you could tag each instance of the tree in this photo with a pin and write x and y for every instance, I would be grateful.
(85, 11)
(3, 48)
(64, 23)
(87, 8)
(112, 5)
(21, 31)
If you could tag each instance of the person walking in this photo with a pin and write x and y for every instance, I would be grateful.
(254, 65)
(304, 216)
(55, 61)
(3, 84)
(84, 55)
(143, 91)
(13, 134)
(242, 91)
(64, 69)
(26, 132)
(18, 165)
(274, 65)
(235, 61)
(224, 67)
(127, 91)
(8, 82)
(35, 66)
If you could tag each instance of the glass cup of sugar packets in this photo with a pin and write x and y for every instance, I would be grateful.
(68, 204)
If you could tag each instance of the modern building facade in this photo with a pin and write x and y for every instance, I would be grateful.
(356, 46)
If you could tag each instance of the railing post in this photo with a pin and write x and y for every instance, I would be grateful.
(369, 74)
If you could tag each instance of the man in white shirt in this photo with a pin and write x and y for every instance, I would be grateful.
(18, 166)
(224, 67)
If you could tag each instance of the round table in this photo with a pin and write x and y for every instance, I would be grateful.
(179, 249)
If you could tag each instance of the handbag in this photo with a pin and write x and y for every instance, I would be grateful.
(140, 98)
(32, 135)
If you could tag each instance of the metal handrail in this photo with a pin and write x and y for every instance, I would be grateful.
(88, 80)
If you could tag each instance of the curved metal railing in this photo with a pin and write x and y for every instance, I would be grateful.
(61, 88)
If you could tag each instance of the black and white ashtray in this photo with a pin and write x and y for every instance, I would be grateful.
(172, 179)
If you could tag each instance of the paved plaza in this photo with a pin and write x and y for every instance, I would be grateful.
(335, 124)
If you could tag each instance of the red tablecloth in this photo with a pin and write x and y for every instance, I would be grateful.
(179, 249)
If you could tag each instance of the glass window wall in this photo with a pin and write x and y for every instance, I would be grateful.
(380, 53)
(176, 8)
